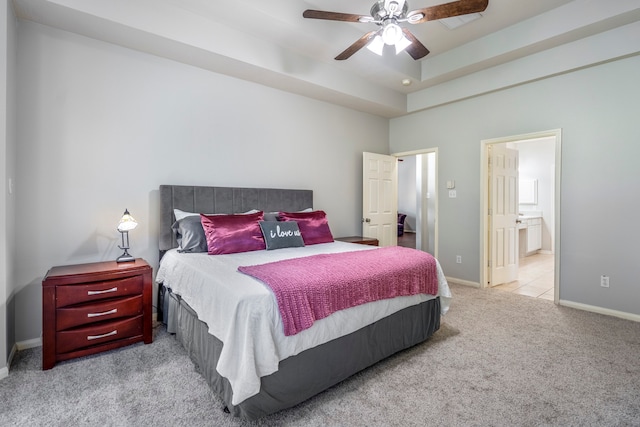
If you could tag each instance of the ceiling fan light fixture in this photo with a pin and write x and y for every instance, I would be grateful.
(376, 45)
(392, 33)
(402, 44)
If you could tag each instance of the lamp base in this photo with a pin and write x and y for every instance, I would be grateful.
(125, 257)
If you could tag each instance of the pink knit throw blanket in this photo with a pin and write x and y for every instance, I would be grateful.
(311, 288)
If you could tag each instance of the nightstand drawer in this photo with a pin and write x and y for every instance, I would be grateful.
(73, 294)
(69, 317)
(98, 333)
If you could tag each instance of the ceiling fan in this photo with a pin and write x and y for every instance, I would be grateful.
(388, 14)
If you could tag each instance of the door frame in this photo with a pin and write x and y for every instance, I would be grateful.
(427, 151)
(484, 202)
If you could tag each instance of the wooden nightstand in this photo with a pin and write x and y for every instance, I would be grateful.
(89, 308)
(360, 240)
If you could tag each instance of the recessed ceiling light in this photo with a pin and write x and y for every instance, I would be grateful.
(406, 82)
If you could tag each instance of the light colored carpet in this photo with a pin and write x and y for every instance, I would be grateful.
(498, 360)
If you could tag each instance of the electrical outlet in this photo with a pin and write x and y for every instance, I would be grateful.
(458, 259)
(604, 281)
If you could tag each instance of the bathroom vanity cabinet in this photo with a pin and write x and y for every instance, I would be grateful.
(530, 229)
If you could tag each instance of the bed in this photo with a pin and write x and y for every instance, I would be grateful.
(230, 325)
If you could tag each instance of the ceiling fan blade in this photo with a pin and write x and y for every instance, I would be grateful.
(416, 49)
(359, 44)
(447, 10)
(333, 16)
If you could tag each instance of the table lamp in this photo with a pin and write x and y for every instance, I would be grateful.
(127, 222)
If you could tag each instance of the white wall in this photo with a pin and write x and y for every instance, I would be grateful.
(414, 172)
(407, 203)
(101, 127)
(596, 108)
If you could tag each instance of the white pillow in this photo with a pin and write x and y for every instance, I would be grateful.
(182, 214)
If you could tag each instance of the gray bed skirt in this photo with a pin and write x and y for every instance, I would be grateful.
(302, 376)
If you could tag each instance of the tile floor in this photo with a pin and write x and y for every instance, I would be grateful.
(535, 277)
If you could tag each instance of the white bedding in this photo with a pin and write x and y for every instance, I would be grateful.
(243, 313)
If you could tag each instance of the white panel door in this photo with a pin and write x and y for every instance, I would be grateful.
(503, 199)
(380, 198)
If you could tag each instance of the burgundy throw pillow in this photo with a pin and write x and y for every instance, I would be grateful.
(229, 234)
(313, 226)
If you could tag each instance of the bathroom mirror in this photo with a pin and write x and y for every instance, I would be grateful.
(528, 191)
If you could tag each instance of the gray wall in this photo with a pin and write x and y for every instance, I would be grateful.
(8, 46)
(597, 109)
(101, 127)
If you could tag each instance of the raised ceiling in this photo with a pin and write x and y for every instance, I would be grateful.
(269, 42)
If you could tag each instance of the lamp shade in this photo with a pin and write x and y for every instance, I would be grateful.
(127, 222)
(402, 44)
(376, 46)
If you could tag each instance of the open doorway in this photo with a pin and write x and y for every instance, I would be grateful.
(417, 200)
(536, 224)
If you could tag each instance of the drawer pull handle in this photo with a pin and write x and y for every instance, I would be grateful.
(96, 337)
(104, 313)
(102, 292)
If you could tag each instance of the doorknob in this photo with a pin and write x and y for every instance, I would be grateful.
(366, 219)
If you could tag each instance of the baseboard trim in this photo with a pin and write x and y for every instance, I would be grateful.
(4, 373)
(12, 354)
(23, 345)
(600, 310)
(463, 282)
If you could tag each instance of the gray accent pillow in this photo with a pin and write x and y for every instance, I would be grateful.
(271, 216)
(278, 235)
(190, 234)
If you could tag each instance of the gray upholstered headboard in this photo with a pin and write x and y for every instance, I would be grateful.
(226, 200)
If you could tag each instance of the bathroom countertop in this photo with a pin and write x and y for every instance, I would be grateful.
(530, 215)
